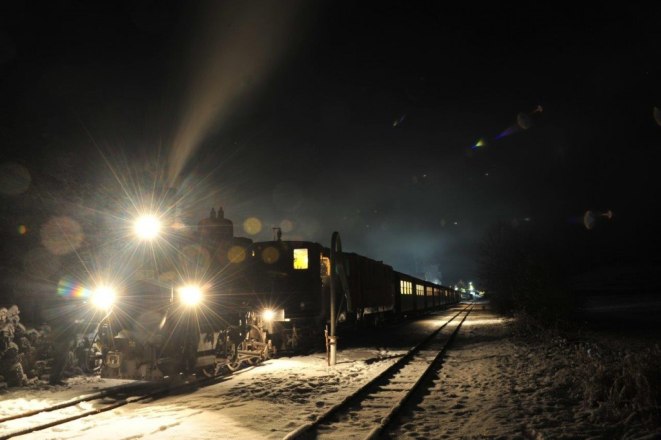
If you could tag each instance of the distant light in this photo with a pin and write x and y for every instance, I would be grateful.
(103, 297)
(190, 295)
(147, 227)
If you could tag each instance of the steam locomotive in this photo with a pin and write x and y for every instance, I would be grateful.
(263, 298)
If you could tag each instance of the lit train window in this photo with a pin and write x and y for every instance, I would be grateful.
(406, 287)
(301, 258)
(428, 291)
(419, 290)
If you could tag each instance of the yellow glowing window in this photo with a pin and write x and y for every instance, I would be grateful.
(419, 290)
(406, 287)
(301, 258)
(428, 291)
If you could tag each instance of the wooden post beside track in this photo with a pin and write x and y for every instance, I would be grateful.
(335, 251)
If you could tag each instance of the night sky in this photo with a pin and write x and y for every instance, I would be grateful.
(361, 118)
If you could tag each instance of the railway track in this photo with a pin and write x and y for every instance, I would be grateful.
(102, 401)
(383, 397)
(407, 368)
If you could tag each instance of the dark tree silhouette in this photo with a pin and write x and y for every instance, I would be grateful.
(524, 271)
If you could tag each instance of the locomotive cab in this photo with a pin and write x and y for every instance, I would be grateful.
(287, 282)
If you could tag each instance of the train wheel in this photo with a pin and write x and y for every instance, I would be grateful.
(234, 365)
(234, 361)
(209, 371)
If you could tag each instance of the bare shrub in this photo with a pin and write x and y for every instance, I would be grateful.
(620, 385)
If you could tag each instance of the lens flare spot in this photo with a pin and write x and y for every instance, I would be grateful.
(14, 179)
(236, 254)
(270, 255)
(589, 220)
(252, 226)
(508, 131)
(22, 229)
(286, 226)
(61, 235)
(523, 121)
(70, 288)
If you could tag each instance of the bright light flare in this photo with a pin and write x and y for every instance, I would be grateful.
(190, 295)
(268, 315)
(147, 227)
(272, 314)
(103, 297)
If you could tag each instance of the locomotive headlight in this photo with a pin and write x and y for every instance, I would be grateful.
(103, 297)
(268, 315)
(147, 227)
(190, 295)
(273, 315)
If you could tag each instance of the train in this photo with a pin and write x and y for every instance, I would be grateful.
(259, 299)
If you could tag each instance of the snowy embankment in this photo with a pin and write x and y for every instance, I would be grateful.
(496, 385)
(492, 384)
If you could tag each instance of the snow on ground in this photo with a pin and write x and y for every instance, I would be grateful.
(491, 385)
(266, 401)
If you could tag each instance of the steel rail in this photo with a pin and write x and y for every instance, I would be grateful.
(162, 390)
(397, 408)
(106, 392)
(356, 396)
